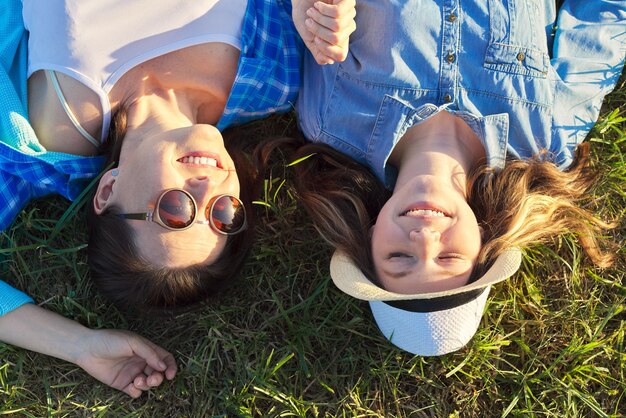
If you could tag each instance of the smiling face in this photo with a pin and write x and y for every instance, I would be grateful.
(192, 158)
(426, 238)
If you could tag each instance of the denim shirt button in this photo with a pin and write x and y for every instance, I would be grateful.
(447, 98)
(451, 17)
(521, 56)
(450, 58)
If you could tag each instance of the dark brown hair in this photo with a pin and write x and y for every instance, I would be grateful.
(133, 283)
(528, 202)
(342, 197)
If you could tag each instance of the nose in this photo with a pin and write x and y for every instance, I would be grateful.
(205, 188)
(201, 188)
(426, 241)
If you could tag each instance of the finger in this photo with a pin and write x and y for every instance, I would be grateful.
(319, 56)
(343, 26)
(155, 379)
(170, 363)
(335, 37)
(331, 52)
(328, 22)
(151, 353)
(132, 391)
(168, 360)
(339, 8)
(141, 382)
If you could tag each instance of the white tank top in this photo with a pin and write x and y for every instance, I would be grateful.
(98, 41)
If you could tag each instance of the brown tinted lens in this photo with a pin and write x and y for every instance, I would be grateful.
(227, 214)
(176, 209)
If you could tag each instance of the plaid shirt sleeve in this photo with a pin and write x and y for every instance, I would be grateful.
(269, 72)
(27, 171)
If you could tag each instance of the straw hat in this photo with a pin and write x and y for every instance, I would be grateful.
(427, 324)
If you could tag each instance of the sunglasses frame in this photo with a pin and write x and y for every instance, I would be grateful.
(153, 214)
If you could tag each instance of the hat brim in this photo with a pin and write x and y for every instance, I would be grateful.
(351, 280)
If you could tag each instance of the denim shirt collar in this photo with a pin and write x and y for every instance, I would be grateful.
(492, 130)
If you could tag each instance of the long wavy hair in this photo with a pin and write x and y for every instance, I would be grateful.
(133, 283)
(531, 201)
(528, 202)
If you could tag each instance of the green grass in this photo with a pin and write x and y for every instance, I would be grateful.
(286, 342)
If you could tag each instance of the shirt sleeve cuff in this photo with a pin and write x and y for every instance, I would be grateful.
(11, 298)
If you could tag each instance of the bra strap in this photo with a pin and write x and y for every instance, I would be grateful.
(68, 111)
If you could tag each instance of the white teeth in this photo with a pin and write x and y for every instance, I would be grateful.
(210, 162)
(424, 212)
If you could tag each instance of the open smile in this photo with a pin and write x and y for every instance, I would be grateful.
(201, 159)
(425, 210)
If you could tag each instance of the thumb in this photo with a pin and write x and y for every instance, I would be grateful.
(146, 351)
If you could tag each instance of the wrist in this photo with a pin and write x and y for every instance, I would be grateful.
(77, 339)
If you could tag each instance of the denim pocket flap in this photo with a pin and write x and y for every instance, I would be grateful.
(516, 60)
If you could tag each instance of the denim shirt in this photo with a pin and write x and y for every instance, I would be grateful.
(523, 75)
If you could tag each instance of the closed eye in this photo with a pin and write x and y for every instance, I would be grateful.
(397, 255)
(451, 256)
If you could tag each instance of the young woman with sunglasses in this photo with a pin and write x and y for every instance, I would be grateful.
(164, 121)
(168, 221)
(471, 114)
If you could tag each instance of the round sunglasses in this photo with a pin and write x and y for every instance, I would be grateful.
(176, 210)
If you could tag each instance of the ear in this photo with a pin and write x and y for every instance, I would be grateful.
(104, 192)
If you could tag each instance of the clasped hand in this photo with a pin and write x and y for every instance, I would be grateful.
(325, 26)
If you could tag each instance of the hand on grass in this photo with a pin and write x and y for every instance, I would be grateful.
(121, 359)
(126, 361)
(325, 26)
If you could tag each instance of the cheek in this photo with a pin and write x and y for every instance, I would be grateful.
(470, 238)
(234, 187)
(383, 233)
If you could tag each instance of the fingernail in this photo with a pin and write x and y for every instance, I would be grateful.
(162, 365)
(308, 22)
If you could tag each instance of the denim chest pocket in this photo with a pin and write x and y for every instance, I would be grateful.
(361, 113)
(517, 41)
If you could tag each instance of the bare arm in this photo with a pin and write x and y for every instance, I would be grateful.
(122, 360)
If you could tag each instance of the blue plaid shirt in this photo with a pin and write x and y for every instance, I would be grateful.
(267, 81)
